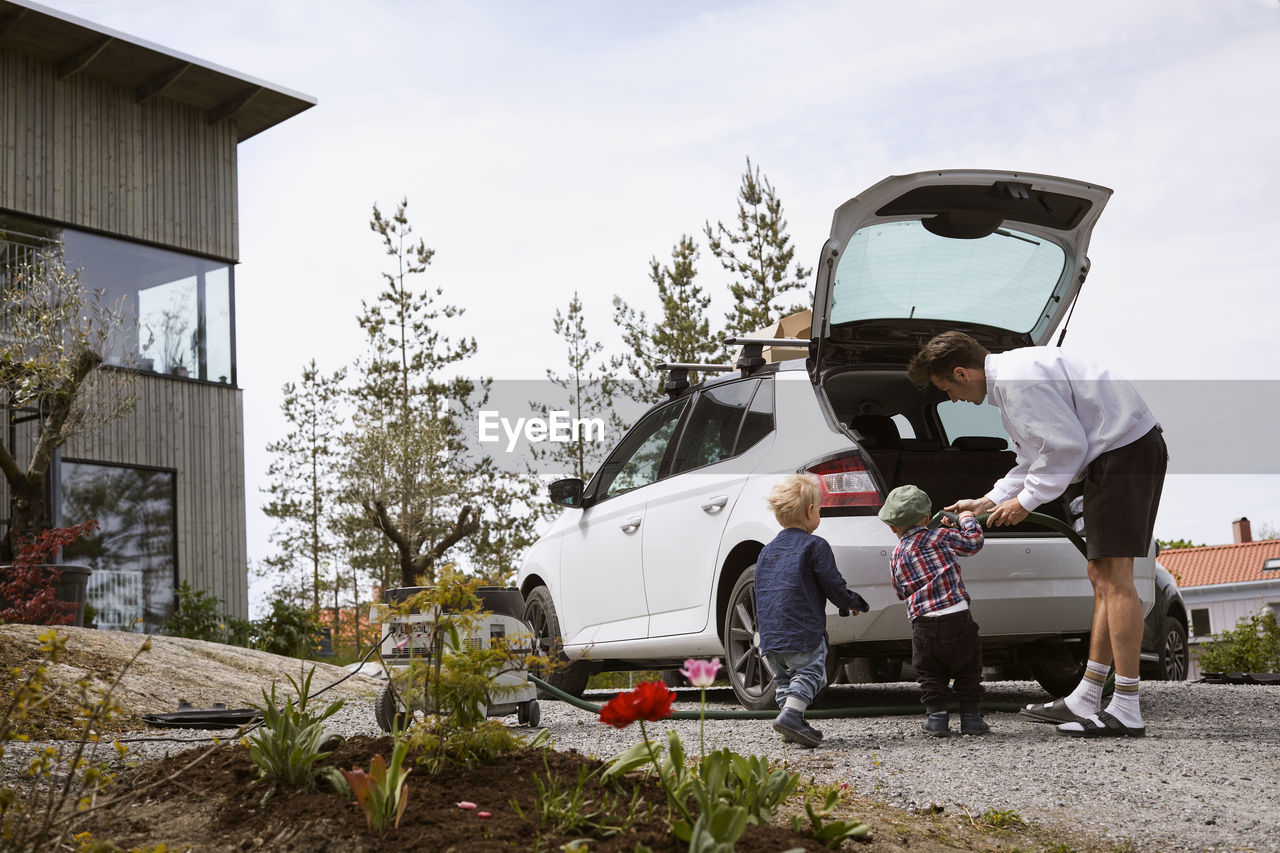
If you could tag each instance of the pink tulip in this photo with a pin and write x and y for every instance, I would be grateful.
(466, 806)
(701, 673)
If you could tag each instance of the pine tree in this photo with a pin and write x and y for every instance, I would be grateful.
(303, 486)
(766, 286)
(589, 390)
(683, 332)
(409, 467)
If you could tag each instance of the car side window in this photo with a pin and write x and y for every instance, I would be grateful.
(759, 419)
(637, 461)
(712, 432)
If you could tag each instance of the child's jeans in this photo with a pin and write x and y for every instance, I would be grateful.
(798, 674)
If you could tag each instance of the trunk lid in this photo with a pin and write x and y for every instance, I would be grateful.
(999, 255)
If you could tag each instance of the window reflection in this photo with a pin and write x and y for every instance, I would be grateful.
(168, 328)
(132, 555)
(183, 303)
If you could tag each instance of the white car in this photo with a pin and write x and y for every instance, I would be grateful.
(652, 561)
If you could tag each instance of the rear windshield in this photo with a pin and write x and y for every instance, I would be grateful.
(896, 270)
(962, 420)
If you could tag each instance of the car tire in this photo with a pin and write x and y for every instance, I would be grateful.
(748, 674)
(673, 679)
(1056, 670)
(873, 670)
(540, 616)
(1173, 653)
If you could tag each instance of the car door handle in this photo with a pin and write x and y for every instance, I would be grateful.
(715, 504)
(631, 525)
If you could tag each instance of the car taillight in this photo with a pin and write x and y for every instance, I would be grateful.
(845, 481)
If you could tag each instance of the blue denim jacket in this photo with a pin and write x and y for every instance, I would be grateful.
(796, 575)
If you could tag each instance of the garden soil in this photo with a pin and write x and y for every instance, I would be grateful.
(208, 798)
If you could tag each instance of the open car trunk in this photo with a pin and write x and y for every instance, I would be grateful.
(950, 450)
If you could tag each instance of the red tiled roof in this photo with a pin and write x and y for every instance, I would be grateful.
(1213, 564)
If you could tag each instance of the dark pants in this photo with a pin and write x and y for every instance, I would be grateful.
(946, 647)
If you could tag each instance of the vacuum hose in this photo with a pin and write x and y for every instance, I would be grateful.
(832, 713)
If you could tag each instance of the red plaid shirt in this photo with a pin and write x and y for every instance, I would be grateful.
(925, 572)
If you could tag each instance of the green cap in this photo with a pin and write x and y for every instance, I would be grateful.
(905, 506)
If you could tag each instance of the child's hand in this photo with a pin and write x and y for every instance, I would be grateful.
(965, 514)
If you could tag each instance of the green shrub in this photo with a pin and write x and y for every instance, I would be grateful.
(287, 630)
(195, 617)
(453, 681)
(1252, 646)
(285, 750)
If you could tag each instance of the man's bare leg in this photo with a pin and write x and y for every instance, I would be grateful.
(1113, 607)
(1117, 615)
(1117, 634)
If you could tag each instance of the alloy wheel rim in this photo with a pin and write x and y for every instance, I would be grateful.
(1173, 656)
(536, 616)
(746, 663)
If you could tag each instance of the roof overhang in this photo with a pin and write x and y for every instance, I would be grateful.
(76, 46)
(1229, 591)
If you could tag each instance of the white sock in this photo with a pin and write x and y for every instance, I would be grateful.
(1124, 702)
(796, 704)
(1086, 699)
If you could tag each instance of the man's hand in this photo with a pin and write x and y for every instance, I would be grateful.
(973, 505)
(1008, 513)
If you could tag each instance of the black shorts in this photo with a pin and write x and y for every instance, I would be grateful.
(1121, 496)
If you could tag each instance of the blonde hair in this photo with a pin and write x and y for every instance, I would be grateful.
(791, 498)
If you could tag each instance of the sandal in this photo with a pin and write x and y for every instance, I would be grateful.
(1052, 712)
(1101, 724)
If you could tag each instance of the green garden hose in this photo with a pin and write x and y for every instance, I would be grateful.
(741, 714)
(832, 713)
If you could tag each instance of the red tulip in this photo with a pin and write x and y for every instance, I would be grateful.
(650, 701)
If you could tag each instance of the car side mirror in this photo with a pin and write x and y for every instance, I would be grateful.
(567, 492)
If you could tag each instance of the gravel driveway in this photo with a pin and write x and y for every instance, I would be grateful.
(1203, 778)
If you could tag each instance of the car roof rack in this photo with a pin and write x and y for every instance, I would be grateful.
(751, 358)
(678, 375)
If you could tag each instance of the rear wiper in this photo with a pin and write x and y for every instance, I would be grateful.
(1004, 233)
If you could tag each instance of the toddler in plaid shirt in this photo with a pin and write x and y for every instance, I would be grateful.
(944, 637)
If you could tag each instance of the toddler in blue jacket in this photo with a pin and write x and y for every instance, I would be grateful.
(796, 576)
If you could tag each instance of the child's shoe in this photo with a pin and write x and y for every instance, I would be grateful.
(937, 724)
(791, 725)
(973, 724)
(811, 729)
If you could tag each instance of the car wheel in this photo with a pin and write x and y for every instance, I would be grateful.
(1056, 670)
(1173, 652)
(540, 616)
(749, 675)
(673, 679)
(873, 670)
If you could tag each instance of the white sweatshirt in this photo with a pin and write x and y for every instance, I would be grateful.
(1062, 412)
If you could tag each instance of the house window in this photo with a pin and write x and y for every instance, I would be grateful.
(184, 305)
(133, 555)
(1271, 564)
(1200, 622)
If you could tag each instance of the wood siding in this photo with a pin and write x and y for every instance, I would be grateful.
(195, 429)
(83, 152)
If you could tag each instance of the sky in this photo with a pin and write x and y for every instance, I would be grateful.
(553, 147)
